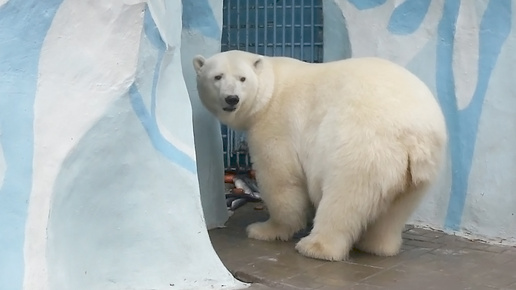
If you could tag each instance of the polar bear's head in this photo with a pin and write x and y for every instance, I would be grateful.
(231, 87)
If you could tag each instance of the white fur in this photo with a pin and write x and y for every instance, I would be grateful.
(359, 140)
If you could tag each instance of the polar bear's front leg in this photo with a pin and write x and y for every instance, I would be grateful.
(287, 201)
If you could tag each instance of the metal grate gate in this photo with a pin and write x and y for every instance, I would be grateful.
(274, 28)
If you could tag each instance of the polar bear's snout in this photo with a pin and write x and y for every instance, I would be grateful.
(232, 101)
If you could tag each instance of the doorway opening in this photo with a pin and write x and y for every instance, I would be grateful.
(292, 28)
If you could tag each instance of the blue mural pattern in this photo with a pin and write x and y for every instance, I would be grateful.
(20, 47)
(367, 4)
(20, 50)
(198, 15)
(148, 119)
(408, 16)
(495, 27)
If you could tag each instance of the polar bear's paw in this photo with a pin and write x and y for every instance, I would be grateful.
(268, 231)
(388, 245)
(322, 248)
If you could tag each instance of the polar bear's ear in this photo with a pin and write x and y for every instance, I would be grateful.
(258, 64)
(198, 62)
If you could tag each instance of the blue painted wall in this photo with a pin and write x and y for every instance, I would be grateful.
(98, 171)
(20, 47)
(201, 34)
(495, 26)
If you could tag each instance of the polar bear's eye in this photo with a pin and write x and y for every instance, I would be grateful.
(242, 79)
(218, 77)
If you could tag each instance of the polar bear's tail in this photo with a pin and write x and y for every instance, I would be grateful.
(425, 156)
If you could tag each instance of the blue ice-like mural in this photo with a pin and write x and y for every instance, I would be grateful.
(153, 168)
(462, 124)
(20, 48)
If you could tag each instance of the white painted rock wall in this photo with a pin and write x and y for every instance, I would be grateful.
(201, 34)
(464, 51)
(99, 186)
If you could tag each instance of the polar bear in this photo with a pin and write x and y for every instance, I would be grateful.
(358, 141)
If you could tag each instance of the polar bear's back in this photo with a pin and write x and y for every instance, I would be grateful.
(370, 90)
(362, 111)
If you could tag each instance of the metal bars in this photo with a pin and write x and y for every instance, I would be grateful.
(274, 28)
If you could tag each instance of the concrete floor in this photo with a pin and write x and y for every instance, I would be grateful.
(429, 260)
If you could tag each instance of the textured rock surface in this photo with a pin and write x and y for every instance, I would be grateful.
(99, 186)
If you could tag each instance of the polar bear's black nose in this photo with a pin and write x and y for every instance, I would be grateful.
(232, 100)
